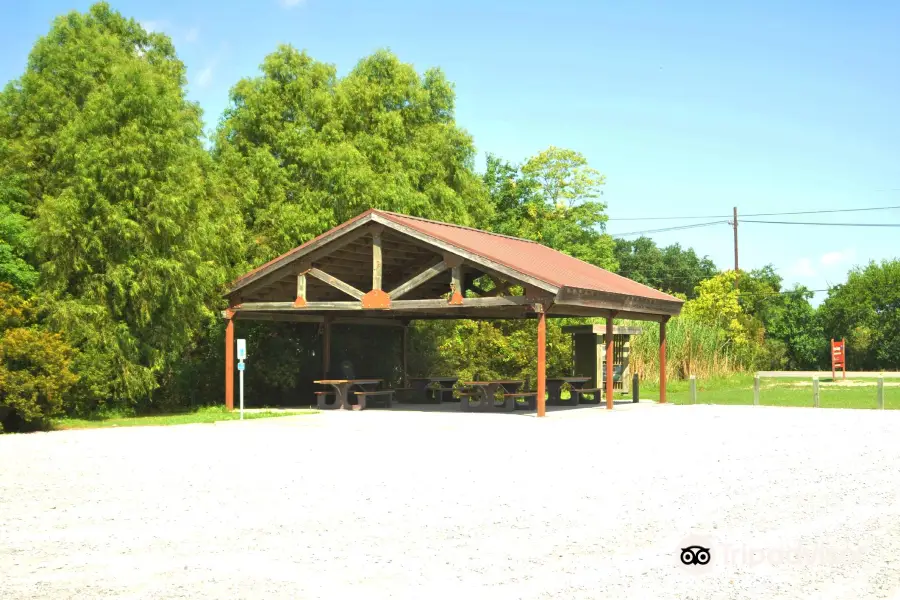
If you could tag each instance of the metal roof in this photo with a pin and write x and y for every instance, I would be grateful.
(522, 256)
(530, 258)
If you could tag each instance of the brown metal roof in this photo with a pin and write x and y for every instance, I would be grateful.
(524, 256)
(530, 258)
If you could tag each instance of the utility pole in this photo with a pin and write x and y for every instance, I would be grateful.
(735, 224)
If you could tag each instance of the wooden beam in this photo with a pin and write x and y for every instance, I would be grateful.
(376, 260)
(301, 290)
(470, 257)
(618, 302)
(336, 283)
(418, 280)
(456, 291)
(328, 243)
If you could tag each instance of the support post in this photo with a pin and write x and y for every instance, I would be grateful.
(376, 260)
(542, 364)
(662, 360)
(326, 349)
(693, 389)
(756, 390)
(456, 296)
(608, 356)
(881, 392)
(405, 354)
(300, 301)
(816, 391)
(229, 361)
(635, 388)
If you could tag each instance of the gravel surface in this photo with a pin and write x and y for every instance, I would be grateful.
(792, 502)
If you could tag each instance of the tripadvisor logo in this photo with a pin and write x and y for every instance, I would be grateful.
(702, 554)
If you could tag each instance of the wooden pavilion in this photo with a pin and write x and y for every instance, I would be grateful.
(387, 267)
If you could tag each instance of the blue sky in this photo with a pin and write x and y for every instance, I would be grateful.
(688, 108)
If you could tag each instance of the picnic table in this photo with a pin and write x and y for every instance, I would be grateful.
(484, 393)
(444, 393)
(554, 390)
(342, 388)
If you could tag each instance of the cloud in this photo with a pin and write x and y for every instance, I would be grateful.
(192, 35)
(837, 257)
(803, 268)
(291, 3)
(205, 77)
(152, 26)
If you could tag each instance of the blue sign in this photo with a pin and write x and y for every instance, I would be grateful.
(240, 366)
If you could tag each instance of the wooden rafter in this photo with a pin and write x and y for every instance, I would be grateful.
(335, 283)
(411, 284)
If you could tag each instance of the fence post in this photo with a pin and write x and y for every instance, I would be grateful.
(693, 389)
(635, 389)
(881, 392)
(816, 391)
(756, 390)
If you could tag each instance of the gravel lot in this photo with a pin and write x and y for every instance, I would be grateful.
(795, 503)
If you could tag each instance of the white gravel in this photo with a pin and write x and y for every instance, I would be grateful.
(583, 504)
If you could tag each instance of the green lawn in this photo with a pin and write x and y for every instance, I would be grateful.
(860, 393)
(203, 415)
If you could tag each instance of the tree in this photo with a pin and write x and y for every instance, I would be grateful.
(866, 311)
(672, 269)
(131, 235)
(306, 150)
(550, 199)
(34, 366)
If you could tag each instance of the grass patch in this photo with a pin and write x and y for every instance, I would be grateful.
(738, 389)
(210, 414)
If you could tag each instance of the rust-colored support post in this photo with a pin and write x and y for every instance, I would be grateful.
(326, 349)
(541, 363)
(229, 360)
(662, 360)
(608, 356)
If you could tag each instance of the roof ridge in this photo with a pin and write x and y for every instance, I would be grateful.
(466, 227)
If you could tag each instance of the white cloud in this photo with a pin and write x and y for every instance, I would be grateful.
(205, 77)
(152, 26)
(837, 257)
(291, 3)
(803, 268)
(192, 34)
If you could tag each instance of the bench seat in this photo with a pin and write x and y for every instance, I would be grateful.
(384, 397)
(580, 395)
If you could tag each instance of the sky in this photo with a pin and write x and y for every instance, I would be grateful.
(688, 108)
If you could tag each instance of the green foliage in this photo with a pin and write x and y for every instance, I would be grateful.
(35, 366)
(550, 199)
(670, 269)
(866, 311)
(306, 150)
(132, 239)
(15, 243)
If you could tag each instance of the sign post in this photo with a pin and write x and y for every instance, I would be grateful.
(241, 354)
(838, 357)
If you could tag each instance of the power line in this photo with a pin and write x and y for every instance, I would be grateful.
(676, 228)
(775, 214)
(822, 224)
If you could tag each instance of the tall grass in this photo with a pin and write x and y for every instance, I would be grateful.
(692, 348)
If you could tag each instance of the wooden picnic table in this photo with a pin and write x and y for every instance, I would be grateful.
(342, 389)
(484, 392)
(420, 388)
(554, 390)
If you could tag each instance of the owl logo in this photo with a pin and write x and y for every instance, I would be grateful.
(695, 555)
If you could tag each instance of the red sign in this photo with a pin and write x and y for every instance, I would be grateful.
(838, 356)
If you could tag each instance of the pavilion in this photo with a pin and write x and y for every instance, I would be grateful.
(383, 266)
